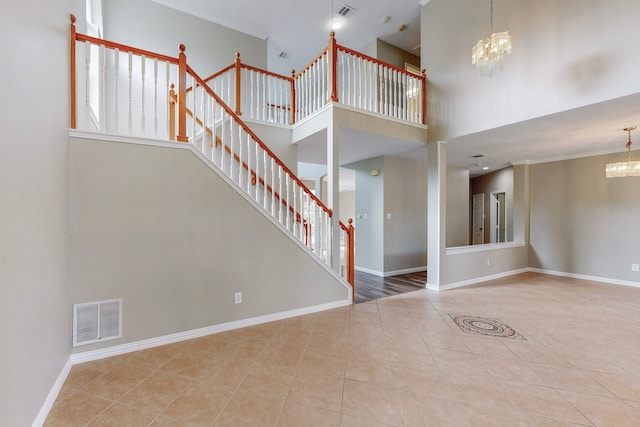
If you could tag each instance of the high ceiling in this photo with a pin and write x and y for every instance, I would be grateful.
(300, 28)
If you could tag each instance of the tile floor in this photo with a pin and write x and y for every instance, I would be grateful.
(397, 361)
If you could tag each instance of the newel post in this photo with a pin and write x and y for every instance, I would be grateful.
(350, 261)
(293, 96)
(182, 95)
(72, 73)
(424, 97)
(238, 67)
(333, 67)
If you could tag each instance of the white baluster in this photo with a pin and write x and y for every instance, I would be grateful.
(194, 110)
(288, 212)
(116, 67)
(264, 189)
(264, 98)
(232, 125)
(155, 97)
(257, 167)
(248, 164)
(214, 141)
(223, 138)
(203, 118)
(240, 131)
(142, 72)
(167, 74)
(87, 84)
(280, 193)
(130, 115)
(102, 61)
(273, 188)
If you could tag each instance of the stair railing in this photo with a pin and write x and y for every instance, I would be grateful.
(130, 91)
(337, 74)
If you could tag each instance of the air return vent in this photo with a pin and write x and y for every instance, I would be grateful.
(97, 321)
(346, 11)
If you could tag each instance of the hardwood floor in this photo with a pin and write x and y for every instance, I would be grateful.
(370, 287)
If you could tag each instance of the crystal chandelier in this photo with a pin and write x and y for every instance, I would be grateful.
(622, 169)
(488, 53)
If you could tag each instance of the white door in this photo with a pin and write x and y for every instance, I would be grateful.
(478, 219)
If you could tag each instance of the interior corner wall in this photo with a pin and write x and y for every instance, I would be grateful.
(209, 47)
(405, 201)
(347, 205)
(35, 326)
(394, 55)
(457, 209)
(566, 54)
(369, 221)
(497, 181)
(583, 223)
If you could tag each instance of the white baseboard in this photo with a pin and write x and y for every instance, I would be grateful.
(392, 272)
(475, 280)
(103, 353)
(469, 282)
(585, 277)
(53, 395)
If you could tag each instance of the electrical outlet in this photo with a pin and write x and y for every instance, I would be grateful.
(237, 298)
(635, 267)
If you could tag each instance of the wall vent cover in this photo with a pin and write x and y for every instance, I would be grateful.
(346, 11)
(97, 321)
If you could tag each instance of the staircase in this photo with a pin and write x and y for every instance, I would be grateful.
(121, 90)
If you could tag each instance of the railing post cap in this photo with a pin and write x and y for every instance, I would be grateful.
(332, 34)
(424, 72)
(237, 55)
(293, 72)
(73, 18)
(350, 221)
(182, 48)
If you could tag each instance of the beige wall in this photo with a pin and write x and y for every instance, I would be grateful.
(35, 328)
(566, 54)
(457, 217)
(151, 26)
(395, 56)
(582, 222)
(158, 228)
(405, 233)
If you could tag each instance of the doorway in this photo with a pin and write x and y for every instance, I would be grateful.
(498, 231)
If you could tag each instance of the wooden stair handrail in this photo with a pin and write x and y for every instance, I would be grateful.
(254, 175)
(255, 137)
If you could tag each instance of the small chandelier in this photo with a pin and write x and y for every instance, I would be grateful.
(487, 54)
(622, 169)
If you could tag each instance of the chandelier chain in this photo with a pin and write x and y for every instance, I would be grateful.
(491, 18)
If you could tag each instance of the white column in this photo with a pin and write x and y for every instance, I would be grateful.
(333, 164)
(436, 203)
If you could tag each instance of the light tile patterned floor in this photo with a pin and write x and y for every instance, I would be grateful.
(398, 361)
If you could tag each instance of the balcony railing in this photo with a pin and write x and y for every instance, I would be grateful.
(337, 74)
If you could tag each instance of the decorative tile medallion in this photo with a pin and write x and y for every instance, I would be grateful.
(485, 326)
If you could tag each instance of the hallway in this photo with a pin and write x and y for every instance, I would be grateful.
(370, 287)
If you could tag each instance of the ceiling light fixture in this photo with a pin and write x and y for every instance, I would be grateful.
(488, 53)
(623, 169)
